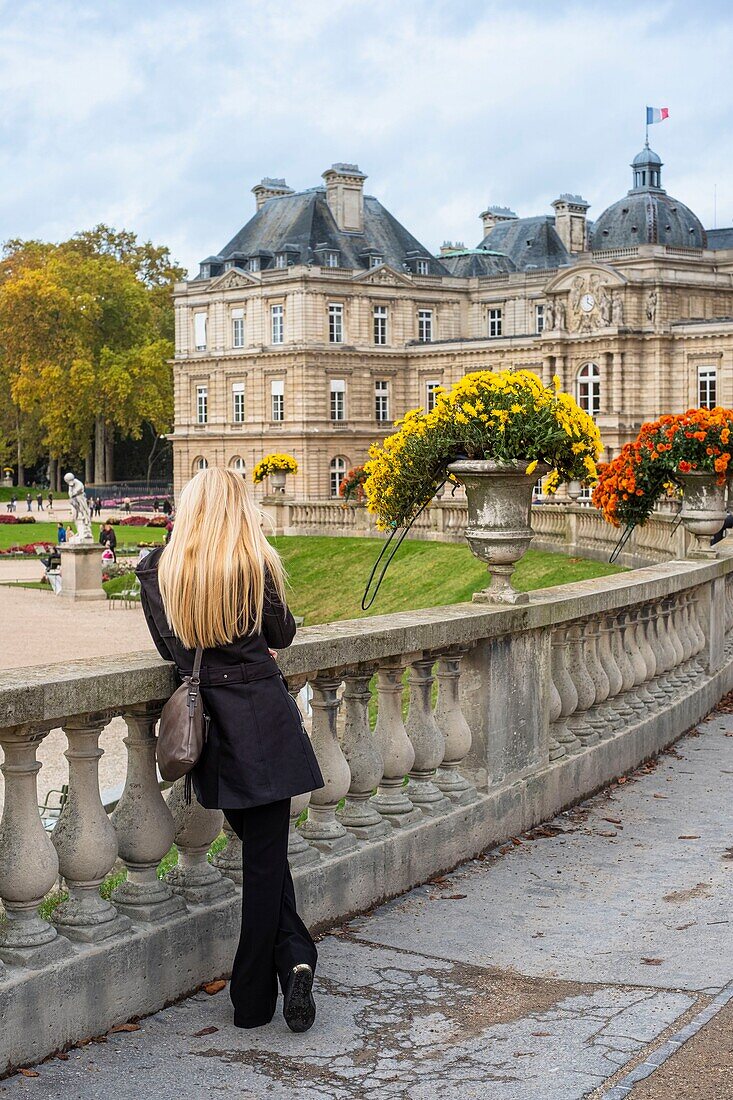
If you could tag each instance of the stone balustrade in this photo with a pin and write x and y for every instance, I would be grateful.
(563, 527)
(439, 733)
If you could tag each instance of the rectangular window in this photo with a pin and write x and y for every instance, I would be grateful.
(331, 259)
(381, 401)
(380, 324)
(338, 399)
(707, 387)
(335, 324)
(431, 393)
(199, 331)
(238, 402)
(278, 327)
(539, 319)
(237, 328)
(254, 263)
(422, 267)
(425, 325)
(494, 322)
(277, 392)
(375, 261)
(281, 260)
(202, 404)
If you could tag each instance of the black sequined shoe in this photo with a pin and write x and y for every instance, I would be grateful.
(299, 1008)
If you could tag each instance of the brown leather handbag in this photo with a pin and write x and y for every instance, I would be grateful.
(183, 728)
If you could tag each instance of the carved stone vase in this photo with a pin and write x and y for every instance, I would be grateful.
(499, 506)
(277, 481)
(703, 509)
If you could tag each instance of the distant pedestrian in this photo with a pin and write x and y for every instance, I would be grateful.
(39, 502)
(126, 505)
(61, 533)
(29, 501)
(156, 504)
(108, 538)
(98, 506)
(167, 507)
(13, 503)
(50, 501)
(168, 530)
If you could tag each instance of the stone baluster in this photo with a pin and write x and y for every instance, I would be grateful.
(673, 638)
(363, 756)
(28, 861)
(650, 694)
(556, 750)
(696, 625)
(426, 737)
(665, 651)
(565, 686)
(300, 852)
(454, 727)
(144, 826)
(639, 698)
(323, 827)
(684, 672)
(609, 718)
(584, 686)
(394, 745)
(623, 706)
(598, 717)
(196, 829)
(229, 859)
(85, 840)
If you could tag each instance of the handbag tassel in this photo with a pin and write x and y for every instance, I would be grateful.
(187, 789)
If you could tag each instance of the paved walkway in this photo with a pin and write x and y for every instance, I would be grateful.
(566, 965)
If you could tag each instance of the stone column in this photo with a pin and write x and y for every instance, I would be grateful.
(81, 572)
(456, 731)
(28, 861)
(85, 840)
(322, 827)
(363, 757)
(394, 745)
(196, 829)
(144, 826)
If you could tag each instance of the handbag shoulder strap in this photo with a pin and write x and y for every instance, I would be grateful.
(195, 675)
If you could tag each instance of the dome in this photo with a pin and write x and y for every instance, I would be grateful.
(647, 215)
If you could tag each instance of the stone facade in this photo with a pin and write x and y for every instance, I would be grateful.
(289, 342)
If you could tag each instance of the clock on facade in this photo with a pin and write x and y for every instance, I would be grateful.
(587, 302)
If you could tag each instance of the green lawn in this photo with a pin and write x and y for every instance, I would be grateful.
(327, 575)
(12, 534)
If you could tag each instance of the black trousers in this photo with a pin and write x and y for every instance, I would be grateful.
(273, 938)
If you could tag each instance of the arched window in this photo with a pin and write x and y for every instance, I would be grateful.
(588, 384)
(337, 472)
(200, 463)
(237, 464)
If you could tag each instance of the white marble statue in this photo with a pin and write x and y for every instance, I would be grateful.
(80, 509)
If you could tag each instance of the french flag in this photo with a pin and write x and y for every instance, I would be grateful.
(656, 114)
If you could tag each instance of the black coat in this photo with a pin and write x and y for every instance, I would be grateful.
(257, 749)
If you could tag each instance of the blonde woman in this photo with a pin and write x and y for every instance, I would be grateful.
(219, 584)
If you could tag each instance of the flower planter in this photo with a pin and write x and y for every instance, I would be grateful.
(703, 509)
(499, 498)
(277, 481)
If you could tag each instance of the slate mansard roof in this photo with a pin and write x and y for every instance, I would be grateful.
(528, 243)
(302, 225)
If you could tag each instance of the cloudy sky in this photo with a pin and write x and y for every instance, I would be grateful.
(159, 116)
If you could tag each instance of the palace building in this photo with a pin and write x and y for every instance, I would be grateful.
(324, 319)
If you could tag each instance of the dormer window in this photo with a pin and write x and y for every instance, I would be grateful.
(375, 260)
(331, 258)
(422, 267)
(253, 263)
(281, 259)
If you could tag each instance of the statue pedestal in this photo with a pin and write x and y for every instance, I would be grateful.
(81, 571)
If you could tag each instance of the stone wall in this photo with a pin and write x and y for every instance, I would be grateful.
(601, 675)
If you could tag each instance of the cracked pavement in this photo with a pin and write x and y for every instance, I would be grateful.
(590, 958)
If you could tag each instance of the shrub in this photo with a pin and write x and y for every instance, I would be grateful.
(134, 521)
(158, 521)
(26, 518)
(8, 517)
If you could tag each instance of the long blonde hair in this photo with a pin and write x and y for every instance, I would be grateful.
(212, 573)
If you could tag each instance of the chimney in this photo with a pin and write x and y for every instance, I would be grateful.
(494, 214)
(269, 189)
(345, 196)
(571, 223)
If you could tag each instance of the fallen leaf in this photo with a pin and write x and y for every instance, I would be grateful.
(62, 1056)
(612, 820)
(660, 796)
(99, 1039)
(540, 1034)
(689, 836)
(123, 1027)
(503, 851)
(652, 962)
(452, 897)
(214, 987)
(517, 842)
(29, 1073)
(204, 1031)
(682, 927)
(622, 779)
(606, 832)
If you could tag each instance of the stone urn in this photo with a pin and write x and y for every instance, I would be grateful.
(277, 481)
(575, 488)
(703, 509)
(499, 498)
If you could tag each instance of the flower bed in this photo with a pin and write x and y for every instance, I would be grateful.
(8, 517)
(504, 416)
(274, 464)
(698, 440)
(29, 548)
